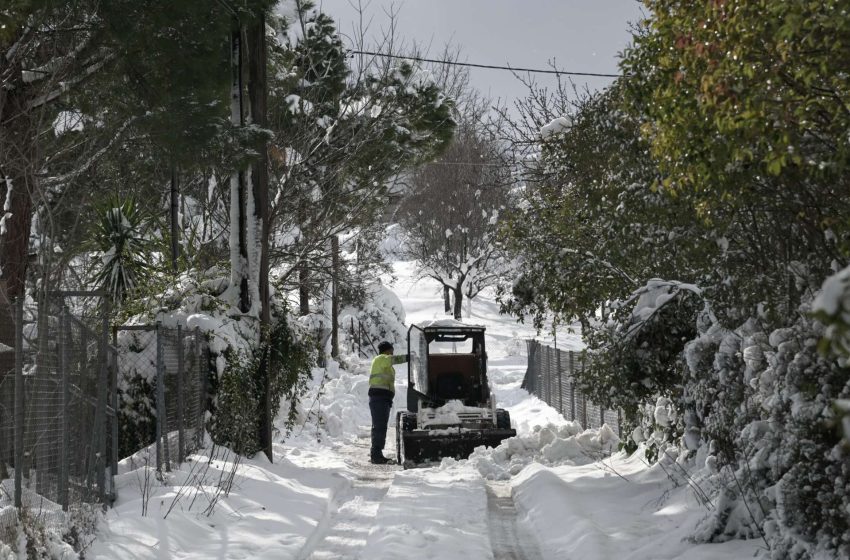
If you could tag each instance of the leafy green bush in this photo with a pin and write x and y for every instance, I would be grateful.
(238, 394)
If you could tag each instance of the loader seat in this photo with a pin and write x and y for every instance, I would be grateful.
(451, 385)
(452, 376)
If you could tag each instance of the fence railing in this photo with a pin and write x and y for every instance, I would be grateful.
(60, 438)
(551, 377)
(359, 341)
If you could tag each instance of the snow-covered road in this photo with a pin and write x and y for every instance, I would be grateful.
(343, 532)
(543, 495)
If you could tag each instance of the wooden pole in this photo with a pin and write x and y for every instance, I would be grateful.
(335, 297)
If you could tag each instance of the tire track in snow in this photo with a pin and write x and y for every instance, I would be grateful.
(508, 539)
(343, 533)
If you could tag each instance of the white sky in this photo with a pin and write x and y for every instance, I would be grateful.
(580, 35)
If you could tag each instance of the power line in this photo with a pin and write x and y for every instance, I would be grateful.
(487, 66)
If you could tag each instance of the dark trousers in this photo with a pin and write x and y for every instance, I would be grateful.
(380, 404)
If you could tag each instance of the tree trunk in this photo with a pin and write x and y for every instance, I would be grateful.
(257, 92)
(335, 297)
(447, 300)
(17, 162)
(303, 290)
(458, 308)
(303, 272)
(175, 219)
(238, 188)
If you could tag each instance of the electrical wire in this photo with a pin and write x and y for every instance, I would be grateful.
(486, 66)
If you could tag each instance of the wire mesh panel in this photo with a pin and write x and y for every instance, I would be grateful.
(166, 368)
(86, 373)
(54, 409)
(184, 374)
(7, 388)
(195, 361)
(551, 377)
(9, 315)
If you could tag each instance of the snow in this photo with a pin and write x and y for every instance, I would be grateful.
(555, 126)
(614, 509)
(448, 414)
(834, 294)
(443, 323)
(431, 513)
(574, 492)
(7, 205)
(67, 121)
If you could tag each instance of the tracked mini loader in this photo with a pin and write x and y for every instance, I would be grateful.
(450, 409)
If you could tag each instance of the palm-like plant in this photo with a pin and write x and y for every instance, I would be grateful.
(121, 237)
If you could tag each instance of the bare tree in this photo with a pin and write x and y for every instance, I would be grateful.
(452, 212)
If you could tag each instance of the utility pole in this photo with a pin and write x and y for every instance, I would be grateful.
(258, 98)
(335, 297)
(238, 189)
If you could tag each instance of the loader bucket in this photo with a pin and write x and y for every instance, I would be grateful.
(422, 446)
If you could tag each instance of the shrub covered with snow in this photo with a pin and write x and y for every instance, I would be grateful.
(285, 360)
(754, 408)
(381, 317)
(234, 367)
(638, 352)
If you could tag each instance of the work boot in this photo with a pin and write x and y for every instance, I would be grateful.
(380, 460)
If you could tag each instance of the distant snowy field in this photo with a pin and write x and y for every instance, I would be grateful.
(314, 501)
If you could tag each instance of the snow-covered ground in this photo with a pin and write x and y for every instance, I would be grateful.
(322, 499)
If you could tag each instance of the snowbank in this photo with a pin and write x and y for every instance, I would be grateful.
(618, 508)
(551, 445)
(270, 511)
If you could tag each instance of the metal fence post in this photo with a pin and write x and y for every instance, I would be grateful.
(202, 372)
(19, 398)
(538, 370)
(560, 383)
(583, 400)
(181, 448)
(572, 387)
(113, 468)
(66, 401)
(160, 398)
(103, 382)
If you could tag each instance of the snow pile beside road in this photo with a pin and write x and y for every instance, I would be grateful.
(337, 402)
(550, 445)
(620, 509)
(215, 505)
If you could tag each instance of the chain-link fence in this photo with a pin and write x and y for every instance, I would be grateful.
(169, 366)
(551, 376)
(57, 407)
(61, 426)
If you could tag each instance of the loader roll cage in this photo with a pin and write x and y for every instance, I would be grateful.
(435, 377)
(450, 410)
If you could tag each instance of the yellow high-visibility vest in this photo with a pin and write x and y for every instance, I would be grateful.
(382, 374)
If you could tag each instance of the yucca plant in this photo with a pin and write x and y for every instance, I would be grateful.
(121, 236)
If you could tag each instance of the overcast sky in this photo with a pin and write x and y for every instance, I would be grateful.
(579, 35)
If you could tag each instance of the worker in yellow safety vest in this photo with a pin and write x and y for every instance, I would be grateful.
(381, 393)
